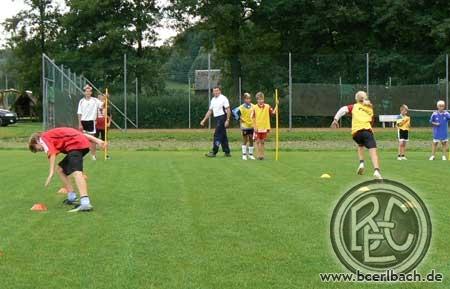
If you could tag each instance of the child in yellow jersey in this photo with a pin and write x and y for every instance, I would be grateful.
(261, 123)
(362, 117)
(403, 125)
(245, 117)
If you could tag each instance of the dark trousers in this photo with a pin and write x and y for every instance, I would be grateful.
(220, 135)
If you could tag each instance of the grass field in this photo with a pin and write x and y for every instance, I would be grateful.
(170, 218)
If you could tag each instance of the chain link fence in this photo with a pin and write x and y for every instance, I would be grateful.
(312, 87)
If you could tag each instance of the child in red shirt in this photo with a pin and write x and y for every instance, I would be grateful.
(75, 145)
(100, 123)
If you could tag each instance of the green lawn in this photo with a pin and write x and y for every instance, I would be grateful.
(179, 220)
(161, 221)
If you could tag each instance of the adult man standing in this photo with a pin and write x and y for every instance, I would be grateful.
(220, 109)
(87, 115)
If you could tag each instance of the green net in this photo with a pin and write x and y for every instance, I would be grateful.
(324, 99)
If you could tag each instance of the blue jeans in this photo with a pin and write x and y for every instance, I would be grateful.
(220, 135)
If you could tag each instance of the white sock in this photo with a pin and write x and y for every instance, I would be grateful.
(71, 196)
(244, 149)
(85, 200)
(250, 150)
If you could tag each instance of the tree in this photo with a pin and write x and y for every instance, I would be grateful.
(33, 31)
(225, 20)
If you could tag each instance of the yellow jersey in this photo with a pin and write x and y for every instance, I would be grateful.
(261, 115)
(362, 117)
(246, 116)
(404, 122)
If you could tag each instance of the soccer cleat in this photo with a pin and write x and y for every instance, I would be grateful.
(251, 157)
(70, 203)
(360, 170)
(94, 158)
(244, 157)
(404, 159)
(82, 208)
(444, 158)
(377, 175)
(210, 155)
(399, 158)
(228, 155)
(431, 158)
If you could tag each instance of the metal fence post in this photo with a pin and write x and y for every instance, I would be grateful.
(438, 89)
(125, 91)
(44, 96)
(240, 90)
(340, 97)
(189, 101)
(290, 91)
(446, 80)
(367, 73)
(209, 86)
(62, 77)
(137, 102)
(70, 80)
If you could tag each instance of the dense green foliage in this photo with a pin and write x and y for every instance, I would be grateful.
(248, 40)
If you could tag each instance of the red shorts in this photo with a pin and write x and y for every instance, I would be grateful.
(261, 136)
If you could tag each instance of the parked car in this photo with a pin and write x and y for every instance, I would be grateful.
(7, 117)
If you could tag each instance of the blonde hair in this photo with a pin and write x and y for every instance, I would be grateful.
(360, 94)
(247, 95)
(404, 106)
(259, 95)
(440, 102)
(33, 141)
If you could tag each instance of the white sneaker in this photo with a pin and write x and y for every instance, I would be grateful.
(399, 158)
(377, 175)
(431, 158)
(82, 208)
(251, 157)
(444, 158)
(244, 157)
(94, 158)
(360, 170)
(404, 159)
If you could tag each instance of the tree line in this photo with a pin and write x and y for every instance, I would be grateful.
(249, 40)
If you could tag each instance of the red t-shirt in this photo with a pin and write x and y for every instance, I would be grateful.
(63, 140)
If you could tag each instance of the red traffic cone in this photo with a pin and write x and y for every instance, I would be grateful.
(39, 207)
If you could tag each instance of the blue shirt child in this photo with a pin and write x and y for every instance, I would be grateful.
(440, 132)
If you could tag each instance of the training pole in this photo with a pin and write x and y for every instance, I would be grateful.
(106, 124)
(277, 134)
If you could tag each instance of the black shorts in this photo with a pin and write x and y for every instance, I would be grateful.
(100, 133)
(248, 132)
(403, 135)
(73, 161)
(365, 138)
(88, 126)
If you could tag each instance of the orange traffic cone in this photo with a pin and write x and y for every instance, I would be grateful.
(39, 207)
